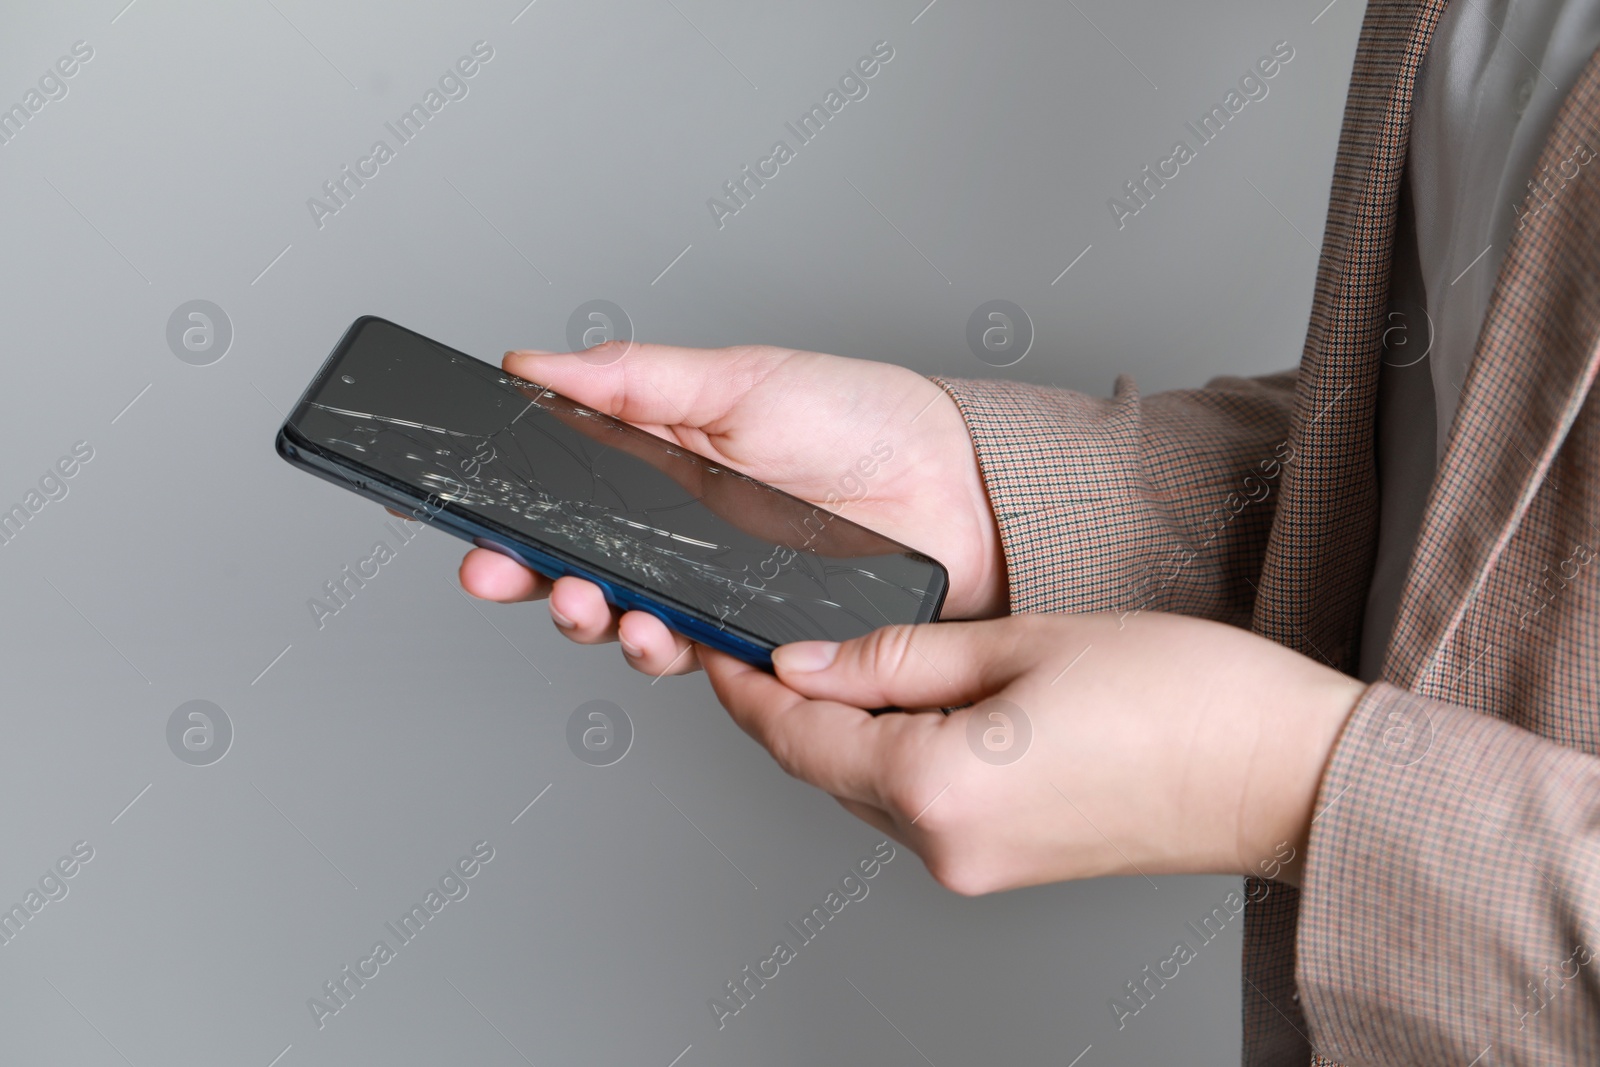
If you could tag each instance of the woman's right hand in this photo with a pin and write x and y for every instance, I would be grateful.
(801, 421)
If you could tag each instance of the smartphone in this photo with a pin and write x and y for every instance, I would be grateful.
(509, 465)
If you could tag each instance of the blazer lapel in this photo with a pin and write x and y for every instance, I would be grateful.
(1536, 360)
(1319, 560)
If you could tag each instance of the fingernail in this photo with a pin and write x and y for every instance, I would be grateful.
(561, 620)
(631, 650)
(530, 352)
(804, 656)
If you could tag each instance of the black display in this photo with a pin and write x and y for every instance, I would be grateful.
(613, 502)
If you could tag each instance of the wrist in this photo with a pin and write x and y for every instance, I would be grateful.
(1283, 793)
(994, 583)
(983, 589)
(992, 594)
(1330, 703)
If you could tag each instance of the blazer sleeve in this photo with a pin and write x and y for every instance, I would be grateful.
(1450, 911)
(1132, 504)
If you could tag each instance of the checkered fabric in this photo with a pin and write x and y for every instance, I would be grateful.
(1450, 911)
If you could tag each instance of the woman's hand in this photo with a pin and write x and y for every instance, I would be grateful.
(1162, 744)
(801, 421)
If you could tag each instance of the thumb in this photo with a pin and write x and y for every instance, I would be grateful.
(646, 384)
(932, 665)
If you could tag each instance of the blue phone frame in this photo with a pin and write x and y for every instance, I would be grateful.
(546, 559)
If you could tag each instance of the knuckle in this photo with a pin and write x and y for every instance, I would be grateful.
(905, 799)
(756, 354)
(887, 650)
(784, 752)
(960, 874)
(931, 804)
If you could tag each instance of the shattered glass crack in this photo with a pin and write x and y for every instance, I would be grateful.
(736, 553)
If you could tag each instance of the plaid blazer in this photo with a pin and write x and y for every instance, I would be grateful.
(1450, 910)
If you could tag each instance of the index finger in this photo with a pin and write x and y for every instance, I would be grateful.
(651, 384)
(743, 502)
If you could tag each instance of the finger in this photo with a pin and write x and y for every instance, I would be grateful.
(579, 610)
(651, 648)
(938, 664)
(492, 575)
(651, 384)
(744, 503)
(833, 746)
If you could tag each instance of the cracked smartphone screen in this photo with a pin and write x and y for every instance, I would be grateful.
(620, 502)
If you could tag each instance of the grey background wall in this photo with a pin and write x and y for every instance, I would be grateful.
(366, 757)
